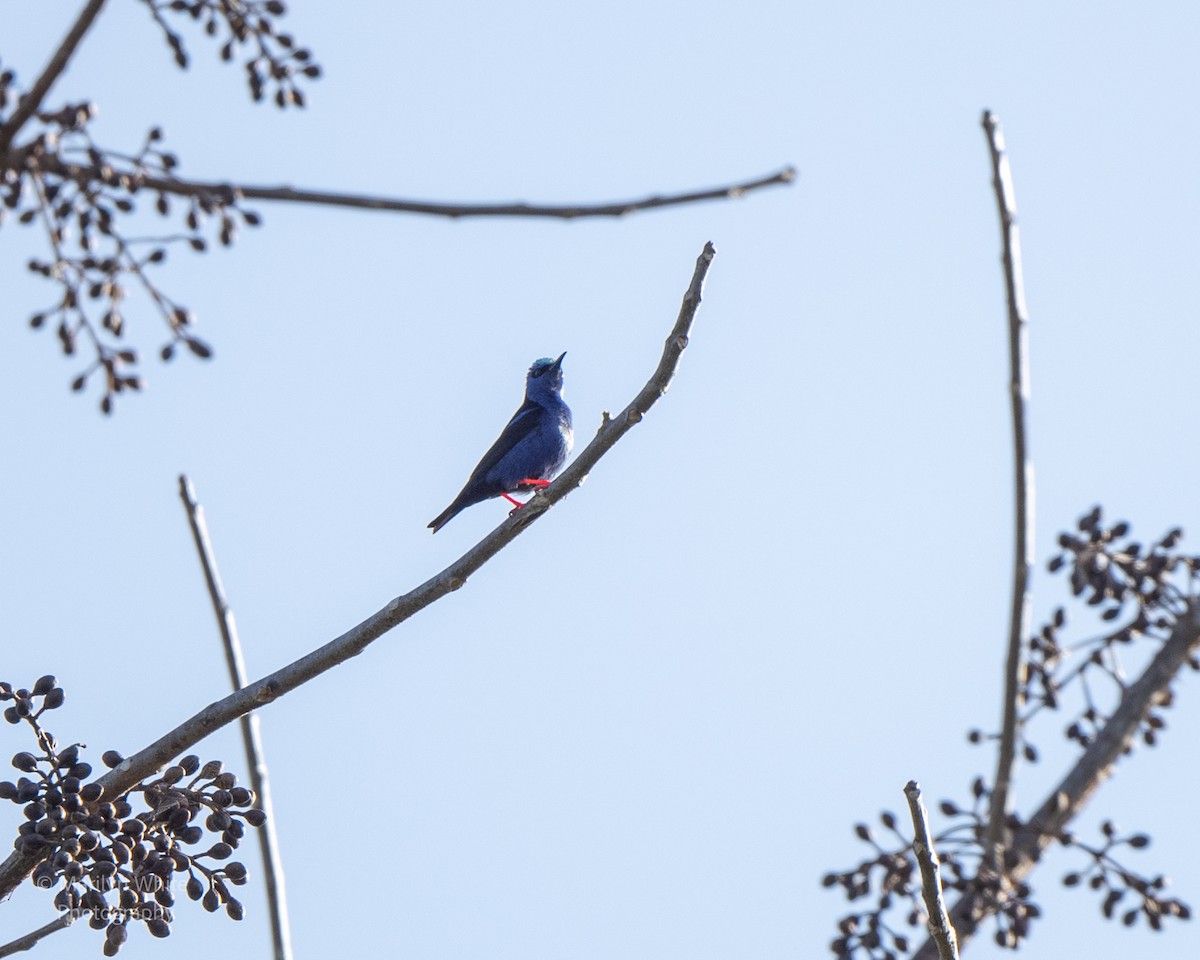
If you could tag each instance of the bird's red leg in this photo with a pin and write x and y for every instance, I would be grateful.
(527, 482)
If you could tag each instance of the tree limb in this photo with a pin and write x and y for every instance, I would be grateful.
(281, 934)
(27, 942)
(134, 769)
(29, 103)
(1068, 799)
(82, 173)
(940, 928)
(1019, 621)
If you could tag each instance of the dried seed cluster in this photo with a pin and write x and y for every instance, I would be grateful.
(1139, 593)
(115, 865)
(1105, 873)
(890, 875)
(84, 197)
(7, 95)
(275, 60)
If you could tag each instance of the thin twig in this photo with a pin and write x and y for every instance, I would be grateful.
(260, 782)
(254, 695)
(64, 262)
(283, 194)
(940, 927)
(1019, 620)
(1093, 767)
(29, 103)
(64, 920)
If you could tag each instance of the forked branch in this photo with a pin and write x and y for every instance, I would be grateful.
(32, 101)
(1072, 793)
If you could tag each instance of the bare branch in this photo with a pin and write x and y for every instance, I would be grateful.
(454, 211)
(260, 783)
(27, 942)
(254, 695)
(1071, 795)
(1019, 622)
(30, 103)
(940, 927)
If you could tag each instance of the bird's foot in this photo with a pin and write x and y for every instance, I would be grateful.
(527, 482)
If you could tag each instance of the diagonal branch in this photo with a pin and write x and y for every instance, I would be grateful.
(1093, 767)
(29, 103)
(198, 188)
(281, 934)
(254, 695)
(27, 942)
(1019, 621)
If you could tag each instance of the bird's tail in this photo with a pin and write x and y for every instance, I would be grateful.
(446, 516)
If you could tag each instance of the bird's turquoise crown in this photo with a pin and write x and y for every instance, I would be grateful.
(542, 364)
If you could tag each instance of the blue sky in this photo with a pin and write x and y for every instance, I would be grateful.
(648, 727)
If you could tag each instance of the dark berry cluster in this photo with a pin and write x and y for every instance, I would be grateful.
(7, 97)
(890, 875)
(1106, 873)
(84, 197)
(1139, 592)
(100, 254)
(117, 864)
(275, 59)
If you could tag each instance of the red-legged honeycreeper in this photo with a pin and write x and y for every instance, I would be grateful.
(530, 451)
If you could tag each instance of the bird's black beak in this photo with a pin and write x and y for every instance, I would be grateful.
(558, 363)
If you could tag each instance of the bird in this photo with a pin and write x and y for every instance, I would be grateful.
(530, 450)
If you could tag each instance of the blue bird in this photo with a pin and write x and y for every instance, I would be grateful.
(530, 451)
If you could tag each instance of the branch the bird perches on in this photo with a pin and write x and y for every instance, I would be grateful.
(263, 691)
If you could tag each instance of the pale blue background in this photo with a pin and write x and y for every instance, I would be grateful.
(647, 728)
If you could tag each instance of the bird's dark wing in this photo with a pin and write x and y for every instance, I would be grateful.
(481, 486)
(523, 423)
